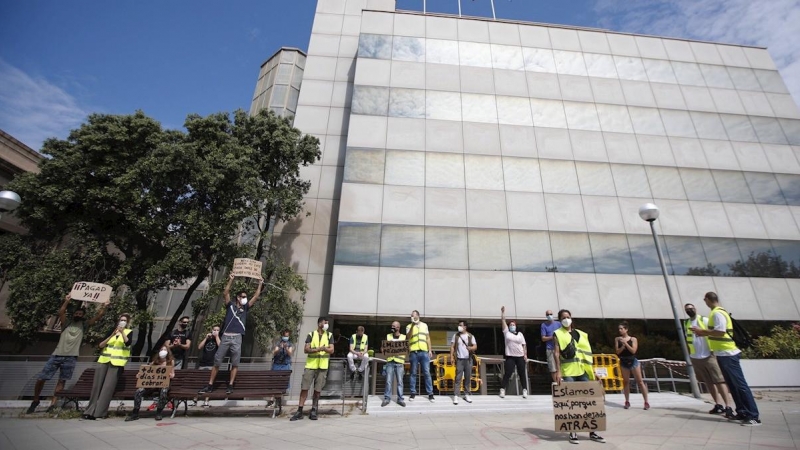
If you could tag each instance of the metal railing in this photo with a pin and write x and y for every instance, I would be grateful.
(664, 372)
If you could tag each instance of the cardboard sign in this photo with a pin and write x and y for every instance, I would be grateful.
(579, 406)
(249, 268)
(91, 292)
(153, 377)
(394, 348)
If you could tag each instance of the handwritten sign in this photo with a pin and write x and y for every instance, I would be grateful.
(394, 348)
(153, 377)
(249, 268)
(91, 292)
(579, 406)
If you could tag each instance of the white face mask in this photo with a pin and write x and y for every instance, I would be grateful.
(415, 319)
(122, 323)
(460, 329)
(325, 327)
(566, 322)
(162, 354)
(243, 301)
(215, 332)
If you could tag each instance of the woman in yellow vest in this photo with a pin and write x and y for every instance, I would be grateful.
(573, 355)
(116, 351)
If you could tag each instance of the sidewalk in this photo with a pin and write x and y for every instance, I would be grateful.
(673, 422)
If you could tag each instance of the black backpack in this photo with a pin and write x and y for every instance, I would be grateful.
(741, 337)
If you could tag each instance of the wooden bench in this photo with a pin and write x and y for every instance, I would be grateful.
(250, 384)
(82, 390)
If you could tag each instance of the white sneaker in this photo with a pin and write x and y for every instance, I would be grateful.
(455, 400)
(524, 393)
(502, 393)
(467, 398)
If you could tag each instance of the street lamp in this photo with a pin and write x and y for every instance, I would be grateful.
(8, 201)
(649, 213)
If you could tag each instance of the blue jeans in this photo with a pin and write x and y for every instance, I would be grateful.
(740, 391)
(393, 370)
(421, 358)
(283, 367)
(583, 377)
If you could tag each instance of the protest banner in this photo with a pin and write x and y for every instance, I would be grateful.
(91, 292)
(153, 377)
(244, 267)
(579, 406)
(394, 348)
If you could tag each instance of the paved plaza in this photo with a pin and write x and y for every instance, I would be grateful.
(674, 422)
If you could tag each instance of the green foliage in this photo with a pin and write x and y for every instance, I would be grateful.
(781, 343)
(763, 264)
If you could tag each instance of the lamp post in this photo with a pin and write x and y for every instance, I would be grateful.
(649, 213)
(8, 202)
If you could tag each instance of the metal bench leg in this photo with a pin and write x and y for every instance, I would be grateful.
(175, 406)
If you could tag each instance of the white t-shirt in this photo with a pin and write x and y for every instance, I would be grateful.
(701, 350)
(719, 325)
(514, 343)
(461, 347)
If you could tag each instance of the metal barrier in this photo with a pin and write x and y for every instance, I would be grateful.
(670, 374)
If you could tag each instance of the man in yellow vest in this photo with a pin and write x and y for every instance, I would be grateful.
(573, 357)
(705, 363)
(420, 354)
(358, 351)
(720, 340)
(394, 368)
(318, 349)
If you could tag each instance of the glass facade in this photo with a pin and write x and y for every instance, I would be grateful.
(278, 86)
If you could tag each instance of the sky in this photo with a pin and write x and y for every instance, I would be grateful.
(63, 60)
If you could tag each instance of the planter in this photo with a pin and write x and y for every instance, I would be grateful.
(771, 373)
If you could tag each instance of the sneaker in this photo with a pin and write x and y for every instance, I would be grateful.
(133, 416)
(152, 407)
(627, 405)
(159, 417)
(729, 413)
(596, 437)
(455, 400)
(751, 423)
(51, 409)
(206, 390)
(502, 393)
(229, 391)
(646, 406)
(467, 398)
(524, 393)
(205, 405)
(734, 417)
(573, 438)
(384, 402)
(313, 415)
(717, 409)
(431, 398)
(194, 403)
(298, 415)
(401, 403)
(411, 397)
(32, 409)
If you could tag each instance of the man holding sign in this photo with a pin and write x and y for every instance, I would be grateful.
(233, 329)
(393, 369)
(66, 353)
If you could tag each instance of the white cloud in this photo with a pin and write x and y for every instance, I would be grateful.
(33, 109)
(765, 23)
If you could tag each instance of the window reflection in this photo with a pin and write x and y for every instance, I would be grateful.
(758, 260)
(443, 105)
(791, 129)
(764, 188)
(403, 246)
(790, 186)
(610, 253)
(595, 179)
(688, 73)
(407, 103)
(373, 101)
(548, 113)
(699, 185)
(530, 251)
(358, 244)
(475, 54)
(446, 248)
(489, 249)
(571, 253)
(630, 181)
(643, 253)
(744, 79)
(600, 65)
(771, 81)
(787, 258)
(732, 186)
(364, 166)
(722, 254)
(685, 255)
(630, 68)
(539, 60)
(405, 168)
(569, 63)
(375, 46)
(441, 52)
(665, 182)
(768, 130)
(478, 108)
(659, 71)
(507, 57)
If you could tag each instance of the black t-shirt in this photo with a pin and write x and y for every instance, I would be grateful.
(207, 358)
(178, 337)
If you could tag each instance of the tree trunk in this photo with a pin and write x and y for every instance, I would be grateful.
(141, 305)
(179, 312)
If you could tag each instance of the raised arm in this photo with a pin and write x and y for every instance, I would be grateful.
(62, 312)
(104, 343)
(97, 316)
(503, 318)
(258, 292)
(203, 342)
(226, 294)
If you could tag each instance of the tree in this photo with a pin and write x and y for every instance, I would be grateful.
(762, 265)
(781, 343)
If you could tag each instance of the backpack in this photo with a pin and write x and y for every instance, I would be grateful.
(741, 337)
(570, 350)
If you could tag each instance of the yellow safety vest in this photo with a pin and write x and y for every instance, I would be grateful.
(116, 352)
(361, 345)
(690, 334)
(418, 338)
(725, 342)
(584, 352)
(572, 367)
(400, 359)
(318, 360)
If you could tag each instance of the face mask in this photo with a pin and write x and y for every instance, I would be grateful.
(415, 319)
(512, 329)
(394, 330)
(243, 301)
(460, 329)
(284, 338)
(162, 354)
(77, 318)
(215, 332)
(691, 313)
(566, 322)
(122, 323)
(325, 327)
(184, 325)
(550, 317)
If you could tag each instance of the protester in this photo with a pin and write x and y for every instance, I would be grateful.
(516, 355)
(162, 358)
(462, 347)
(705, 364)
(116, 350)
(209, 346)
(393, 369)
(319, 348)
(720, 341)
(420, 354)
(233, 329)
(341, 345)
(547, 329)
(65, 356)
(358, 351)
(573, 357)
(282, 355)
(626, 347)
(180, 338)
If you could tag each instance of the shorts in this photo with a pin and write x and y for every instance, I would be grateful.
(232, 343)
(64, 364)
(551, 360)
(707, 370)
(629, 363)
(317, 376)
